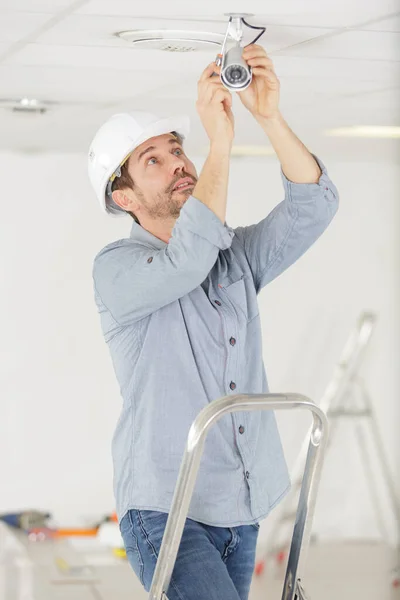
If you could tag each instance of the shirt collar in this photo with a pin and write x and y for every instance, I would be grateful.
(139, 234)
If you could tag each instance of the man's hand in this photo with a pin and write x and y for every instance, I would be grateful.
(214, 106)
(261, 98)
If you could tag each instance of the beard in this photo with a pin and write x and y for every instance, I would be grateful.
(165, 205)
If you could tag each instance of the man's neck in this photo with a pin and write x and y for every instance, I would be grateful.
(160, 229)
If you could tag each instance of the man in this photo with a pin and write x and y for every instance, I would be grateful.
(179, 312)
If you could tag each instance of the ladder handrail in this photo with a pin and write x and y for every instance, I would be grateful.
(188, 474)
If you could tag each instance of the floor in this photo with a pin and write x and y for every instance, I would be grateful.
(334, 572)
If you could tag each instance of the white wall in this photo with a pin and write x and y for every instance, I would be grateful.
(59, 396)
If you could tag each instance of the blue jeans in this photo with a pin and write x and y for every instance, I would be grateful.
(213, 563)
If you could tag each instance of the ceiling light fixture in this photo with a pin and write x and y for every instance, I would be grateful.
(366, 131)
(171, 40)
(26, 105)
(29, 105)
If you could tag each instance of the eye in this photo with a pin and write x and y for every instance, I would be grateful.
(152, 158)
(178, 150)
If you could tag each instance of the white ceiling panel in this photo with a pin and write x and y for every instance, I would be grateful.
(142, 60)
(75, 85)
(392, 24)
(335, 68)
(176, 8)
(369, 45)
(325, 13)
(293, 89)
(279, 37)
(109, 57)
(338, 62)
(36, 6)
(71, 130)
(383, 100)
(65, 128)
(62, 129)
(99, 31)
(327, 87)
(13, 27)
(376, 108)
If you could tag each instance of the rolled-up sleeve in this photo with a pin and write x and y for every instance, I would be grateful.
(290, 229)
(308, 192)
(133, 281)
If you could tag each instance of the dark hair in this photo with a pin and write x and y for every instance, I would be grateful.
(126, 181)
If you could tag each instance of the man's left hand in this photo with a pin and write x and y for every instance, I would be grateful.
(261, 98)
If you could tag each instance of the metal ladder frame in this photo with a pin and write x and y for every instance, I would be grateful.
(292, 589)
(337, 402)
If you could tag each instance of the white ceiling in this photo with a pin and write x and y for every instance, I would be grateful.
(338, 62)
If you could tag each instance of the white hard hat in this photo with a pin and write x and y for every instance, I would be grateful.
(115, 141)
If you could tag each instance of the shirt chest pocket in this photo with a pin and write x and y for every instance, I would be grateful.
(241, 297)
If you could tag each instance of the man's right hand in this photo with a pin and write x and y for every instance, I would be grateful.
(214, 106)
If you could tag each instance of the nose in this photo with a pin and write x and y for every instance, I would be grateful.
(178, 167)
(177, 164)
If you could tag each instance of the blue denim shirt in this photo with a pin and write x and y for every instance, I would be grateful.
(182, 324)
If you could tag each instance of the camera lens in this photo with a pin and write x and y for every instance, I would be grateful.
(235, 74)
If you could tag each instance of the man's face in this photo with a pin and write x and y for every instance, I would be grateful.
(156, 167)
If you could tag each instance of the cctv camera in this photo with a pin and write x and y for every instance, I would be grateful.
(236, 75)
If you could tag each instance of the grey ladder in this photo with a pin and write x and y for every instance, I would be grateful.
(292, 589)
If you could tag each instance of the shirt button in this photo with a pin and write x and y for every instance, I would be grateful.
(149, 260)
(247, 474)
(217, 302)
(232, 341)
(232, 385)
(241, 429)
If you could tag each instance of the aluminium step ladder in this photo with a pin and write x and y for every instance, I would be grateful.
(292, 589)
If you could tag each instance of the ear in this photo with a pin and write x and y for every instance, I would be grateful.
(121, 199)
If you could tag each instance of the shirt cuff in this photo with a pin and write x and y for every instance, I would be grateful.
(309, 192)
(196, 217)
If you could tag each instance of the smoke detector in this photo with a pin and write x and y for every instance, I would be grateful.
(171, 40)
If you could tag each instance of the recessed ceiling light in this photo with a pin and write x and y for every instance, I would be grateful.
(29, 105)
(171, 40)
(26, 105)
(367, 131)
